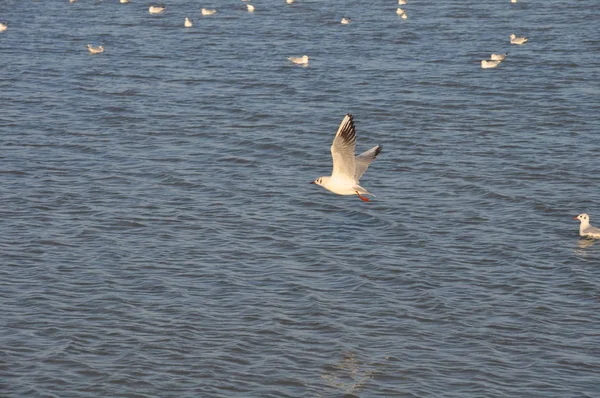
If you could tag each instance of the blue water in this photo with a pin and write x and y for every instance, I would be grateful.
(160, 237)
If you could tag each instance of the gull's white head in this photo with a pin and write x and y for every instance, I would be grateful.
(322, 181)
(583, 217)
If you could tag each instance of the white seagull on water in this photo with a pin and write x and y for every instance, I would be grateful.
(489, 63)
(303, 60)
(498, 57)
(585, 228)
(347, 168)
(156, 9)
(95, 50)
(514, 39)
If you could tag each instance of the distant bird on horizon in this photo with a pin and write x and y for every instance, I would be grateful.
(586, 230)
(517, 40)
(95, 50)
(303, 60)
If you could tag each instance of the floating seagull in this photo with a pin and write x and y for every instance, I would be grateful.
(303, 60)
(250, 7)
(95, 50)
(206, 11)
(585, 228)
(72, 1)
(188, 23)
(346, 21)
(401, 2)
(289, 1)
(156, 9)
(498, 57)
(347, 168)
(513, 1)
(486, 64)
(401, 13)
(123, 1)
(517, 40)
(3, 26)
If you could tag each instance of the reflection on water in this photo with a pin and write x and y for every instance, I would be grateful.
(349, 375)
(582, 245)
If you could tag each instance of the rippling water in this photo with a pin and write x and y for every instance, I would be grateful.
(160, 236)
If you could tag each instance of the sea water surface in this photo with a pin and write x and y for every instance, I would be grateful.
(160, 238)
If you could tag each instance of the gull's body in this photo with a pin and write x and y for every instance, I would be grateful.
(400, 11)
(346, 21)
(123, 1)
(498, 57)
(517, 40)
(206, 12)
(188, 23)
(289, 1)
(250, 7)
(95, 50)
(3, 26)
(303, 60)
(585, 228)
(156, 9)
(486, 64)
(401, 2)
(347, 168)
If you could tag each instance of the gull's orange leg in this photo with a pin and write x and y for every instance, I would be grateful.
(364, 199)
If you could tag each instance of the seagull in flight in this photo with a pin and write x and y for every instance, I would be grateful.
(347, 168)
(585, 228)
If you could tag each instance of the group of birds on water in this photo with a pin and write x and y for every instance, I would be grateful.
(493, 62)
(497, 59)
(188, 23)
